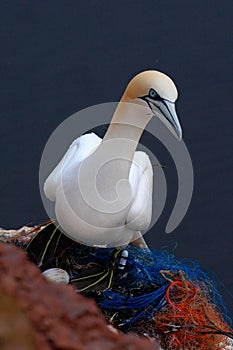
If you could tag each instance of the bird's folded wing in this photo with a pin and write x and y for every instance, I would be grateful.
(78, 150)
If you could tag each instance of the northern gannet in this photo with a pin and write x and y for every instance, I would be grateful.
(102, 188)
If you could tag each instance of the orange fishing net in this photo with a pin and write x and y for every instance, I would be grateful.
(189, 320)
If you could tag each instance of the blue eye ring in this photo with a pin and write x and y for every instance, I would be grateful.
(152, 93)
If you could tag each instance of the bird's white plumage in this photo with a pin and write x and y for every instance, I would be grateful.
(140, 178)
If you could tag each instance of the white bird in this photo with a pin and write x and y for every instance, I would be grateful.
(102, 188)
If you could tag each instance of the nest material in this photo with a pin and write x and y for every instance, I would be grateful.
(156, 295)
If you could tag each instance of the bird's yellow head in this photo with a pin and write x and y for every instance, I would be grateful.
(158, 92)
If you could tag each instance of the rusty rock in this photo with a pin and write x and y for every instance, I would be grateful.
(37, 314)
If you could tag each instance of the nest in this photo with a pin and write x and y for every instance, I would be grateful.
(154, 294)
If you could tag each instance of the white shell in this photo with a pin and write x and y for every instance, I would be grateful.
(56, 275)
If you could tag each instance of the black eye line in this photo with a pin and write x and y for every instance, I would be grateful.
(145, 98)
(158, 98)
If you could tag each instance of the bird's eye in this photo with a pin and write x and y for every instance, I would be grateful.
(152, 93)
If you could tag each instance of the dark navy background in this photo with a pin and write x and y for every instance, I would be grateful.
(58, 57)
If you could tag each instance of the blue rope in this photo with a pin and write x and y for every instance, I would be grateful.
(112, 300)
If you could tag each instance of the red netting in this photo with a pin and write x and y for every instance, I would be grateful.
(189, 321)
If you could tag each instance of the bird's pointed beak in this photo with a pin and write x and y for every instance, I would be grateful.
(166, 112)
(171, 116)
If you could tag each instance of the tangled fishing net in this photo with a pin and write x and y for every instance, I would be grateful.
(178, 303)
(154, 294)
